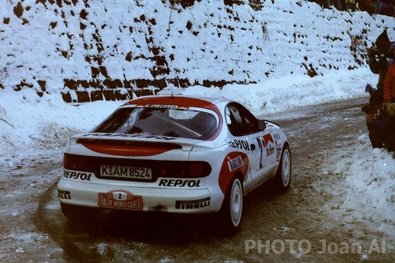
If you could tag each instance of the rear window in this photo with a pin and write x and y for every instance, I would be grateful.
(170, 122)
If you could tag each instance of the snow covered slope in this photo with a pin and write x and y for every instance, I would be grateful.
(105, 49)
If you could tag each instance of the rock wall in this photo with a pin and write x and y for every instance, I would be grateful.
(89, 50)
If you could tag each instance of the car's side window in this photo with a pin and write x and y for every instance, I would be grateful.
(240, 121)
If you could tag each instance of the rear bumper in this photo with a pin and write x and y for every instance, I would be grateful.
(138, 198)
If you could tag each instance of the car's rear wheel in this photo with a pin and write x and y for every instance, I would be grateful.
(232, 210)
(282, 179)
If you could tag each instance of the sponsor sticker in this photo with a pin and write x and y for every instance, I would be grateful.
(64, 194)
(279, 151)
(235, 163)
(161, 106)
(83, 176)
(179, 183)
(193, 204)
(239, 144)
(119, 199)
(268, 142)
(267, 138)
(270, 150)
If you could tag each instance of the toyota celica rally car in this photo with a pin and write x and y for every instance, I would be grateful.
(174, 154)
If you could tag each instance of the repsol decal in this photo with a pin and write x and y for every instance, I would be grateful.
(194, 204)
(239, 144)
(179, 183)
(84, 176)
(64, 194)
(235, 163)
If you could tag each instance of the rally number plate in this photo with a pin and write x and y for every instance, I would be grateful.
(120, 200)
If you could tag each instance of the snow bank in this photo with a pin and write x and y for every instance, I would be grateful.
(28, 126)
(369, 190)
(287, 93)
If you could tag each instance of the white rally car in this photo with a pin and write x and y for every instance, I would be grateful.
(174, 154)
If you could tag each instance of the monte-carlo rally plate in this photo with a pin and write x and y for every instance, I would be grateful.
(120, 199)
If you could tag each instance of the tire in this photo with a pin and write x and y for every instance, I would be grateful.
(282, 179)
(232, 208)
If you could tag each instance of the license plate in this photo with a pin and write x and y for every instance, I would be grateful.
(143, 173)
(120, 200)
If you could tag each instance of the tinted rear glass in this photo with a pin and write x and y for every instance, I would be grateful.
(184, 123)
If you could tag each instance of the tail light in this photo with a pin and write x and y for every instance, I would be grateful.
(175, 169)
(184, 169)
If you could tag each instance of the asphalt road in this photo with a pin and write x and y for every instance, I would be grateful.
(292, 227)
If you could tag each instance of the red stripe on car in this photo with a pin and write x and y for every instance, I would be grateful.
(125, 148)
(234, 162)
